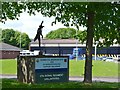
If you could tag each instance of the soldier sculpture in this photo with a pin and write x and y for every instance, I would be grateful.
(39, 32)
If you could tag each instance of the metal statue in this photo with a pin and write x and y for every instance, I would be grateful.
(39, 32)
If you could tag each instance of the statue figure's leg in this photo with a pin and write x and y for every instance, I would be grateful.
(39, 41)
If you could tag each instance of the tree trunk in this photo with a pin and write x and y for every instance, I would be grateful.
(89, 43)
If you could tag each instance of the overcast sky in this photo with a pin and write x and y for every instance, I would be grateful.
(29, 24)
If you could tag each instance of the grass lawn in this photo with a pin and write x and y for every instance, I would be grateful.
(100, 68)
(7, 83)
(9, 66)
(76, 68)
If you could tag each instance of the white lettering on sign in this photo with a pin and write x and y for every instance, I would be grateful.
(56, 78)
(59, 75)
(48, 77)
(50, 63)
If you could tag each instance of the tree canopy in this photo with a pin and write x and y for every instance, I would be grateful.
(106, 15)
(62, 33)
(15, 38)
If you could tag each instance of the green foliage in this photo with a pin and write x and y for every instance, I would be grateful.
(11, 10)
(67, 33)
(82, 36)
(61, 33)
(13, 38)
(8, 36)
(106, 16)
(0, 35)
(25, 40)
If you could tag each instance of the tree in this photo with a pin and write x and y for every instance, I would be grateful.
(0, 35)
(82, 36)
(13, 38)
(61, 33)
(25, 40)
(8, 36)
(101, 19)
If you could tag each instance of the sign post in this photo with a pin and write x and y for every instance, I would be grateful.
(52, 69)
(43, 69)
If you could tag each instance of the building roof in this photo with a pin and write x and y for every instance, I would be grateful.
(7, 47)
(61, 42)
(56, 41)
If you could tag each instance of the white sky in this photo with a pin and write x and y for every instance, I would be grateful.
(29, 24)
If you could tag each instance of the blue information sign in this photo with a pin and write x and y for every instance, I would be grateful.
(52, 69)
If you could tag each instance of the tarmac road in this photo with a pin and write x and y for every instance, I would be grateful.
(96, 79)
(76, 78)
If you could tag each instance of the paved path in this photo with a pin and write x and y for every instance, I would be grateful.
(96, 79)
(8, 76)
(75, 78)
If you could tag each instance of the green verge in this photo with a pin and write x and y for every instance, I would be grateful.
(76, 68)
(0, 79)
(100, 68)
(9, 83)
(9, 66)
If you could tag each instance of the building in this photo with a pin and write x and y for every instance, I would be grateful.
(65, 46)
(8, 51)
